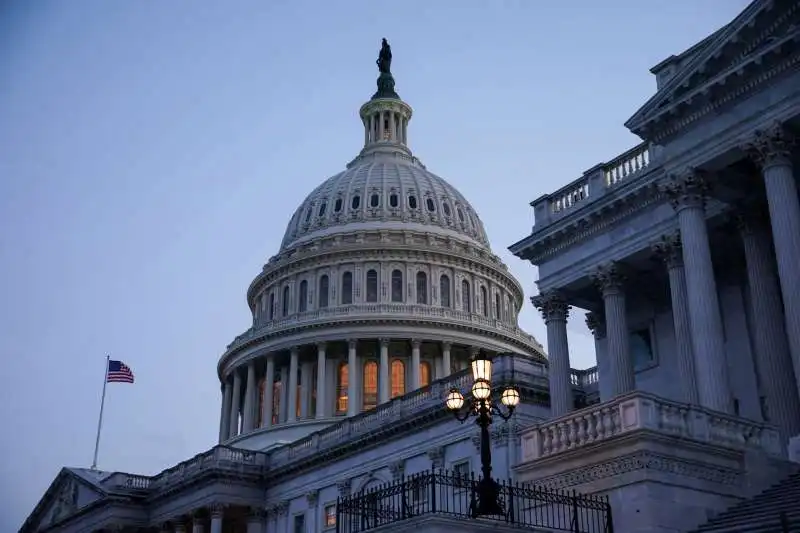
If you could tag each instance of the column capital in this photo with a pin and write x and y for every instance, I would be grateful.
(669, 250)
(770, 146)
(294, 350)
(385, 342)
(312, 497)
(352, 344)
(552, 305)
(687, 189)
(416, 343)
(257, 514)
(217, 510)
(397, 468)
(447, 345)
(436, 455)
(596, 324)
(321, 346)
(609, 278)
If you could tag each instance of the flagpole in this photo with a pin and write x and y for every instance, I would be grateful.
(100, 418)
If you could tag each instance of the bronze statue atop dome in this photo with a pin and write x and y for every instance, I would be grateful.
(384, 60)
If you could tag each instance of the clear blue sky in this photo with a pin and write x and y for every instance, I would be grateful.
(151, 154)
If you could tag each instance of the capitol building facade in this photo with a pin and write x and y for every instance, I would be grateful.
(684, 252)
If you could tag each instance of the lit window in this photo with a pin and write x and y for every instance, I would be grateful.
(397, 286)
(347, 288)
(444, 289)
(424, 374)
(422, 288)
(330, 515)
(372, 286)
(398, 378)
(341, 404)
(370, 385)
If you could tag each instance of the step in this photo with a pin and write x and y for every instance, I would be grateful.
(751, 523)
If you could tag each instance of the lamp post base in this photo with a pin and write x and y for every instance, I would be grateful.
(488, 499)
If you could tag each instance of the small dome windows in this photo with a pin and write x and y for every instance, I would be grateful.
(412, 202)
(430, 205)
(393, 200)
(355, 203)
(446, 208)
(374, 200)
(322, 207)
(460, 214)
(309, 212)
(338, 205)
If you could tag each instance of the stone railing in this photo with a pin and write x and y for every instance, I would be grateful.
(592, 185)
(584, 378)
(639, 411)
(375, 310)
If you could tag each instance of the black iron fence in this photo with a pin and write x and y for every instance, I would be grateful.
(449, 494)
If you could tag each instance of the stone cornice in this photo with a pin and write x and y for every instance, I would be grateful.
(384, 243)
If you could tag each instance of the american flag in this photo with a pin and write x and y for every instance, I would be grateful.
(118, 372)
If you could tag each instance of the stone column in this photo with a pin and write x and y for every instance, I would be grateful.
(291, 403)
(225, 424)
(392, 128)
(217, 516)
(555, 310)
(197, 524)
(322, 363)
(777, 380)
(255, 520)
(236, 398)
(353, 375)
(670, 252)
(609, 279)
(687, 194)
(269, 391)
(284, 394)
(384, 368)
(415, 345)
(306, 385)
(249, 397)
(772, 150)
(446, 363)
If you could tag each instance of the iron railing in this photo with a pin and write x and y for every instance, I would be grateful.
(453, 495)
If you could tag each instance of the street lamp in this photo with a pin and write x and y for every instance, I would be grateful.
(482, 407)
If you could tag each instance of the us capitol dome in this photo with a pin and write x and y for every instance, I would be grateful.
(384, 281)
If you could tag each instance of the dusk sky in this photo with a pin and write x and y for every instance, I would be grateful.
(151, 154)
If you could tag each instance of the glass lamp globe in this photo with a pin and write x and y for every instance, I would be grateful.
(481, 368)
(455, 400)
(510, 397)
(481, 390)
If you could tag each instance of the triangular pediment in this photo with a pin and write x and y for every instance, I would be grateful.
(70, 491)
(716, 57)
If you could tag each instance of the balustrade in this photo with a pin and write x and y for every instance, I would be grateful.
(640, 411)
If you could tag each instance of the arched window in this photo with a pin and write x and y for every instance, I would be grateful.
(370, 385)
(444, 290)
(412, 202)
(446, 208)
(424, 373)
(398, 378)
(429, 203)
(393, 200)
(285, 302)
(337, 206)
(497, 306)
(484, 301)
(355, 203)
(397, 286)
(309, 213)
(322, 207)
(323, 291)
(347, 288)
(372, 285)
(374, 200)
(465, 297)
(276, 402)
(302, 297)
(271, 305)
(422, 288)
(341, 392)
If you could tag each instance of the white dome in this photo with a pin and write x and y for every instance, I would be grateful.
(385, 189)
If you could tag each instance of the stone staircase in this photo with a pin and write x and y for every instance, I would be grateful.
(762, 513)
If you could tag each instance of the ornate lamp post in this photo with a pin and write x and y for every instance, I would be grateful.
(482, 407)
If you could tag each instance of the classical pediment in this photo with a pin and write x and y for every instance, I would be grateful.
(71, 491)
(706, 74)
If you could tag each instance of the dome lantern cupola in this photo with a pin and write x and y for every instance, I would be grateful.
(385, 116)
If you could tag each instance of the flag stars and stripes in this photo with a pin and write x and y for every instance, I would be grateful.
(118, 372)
